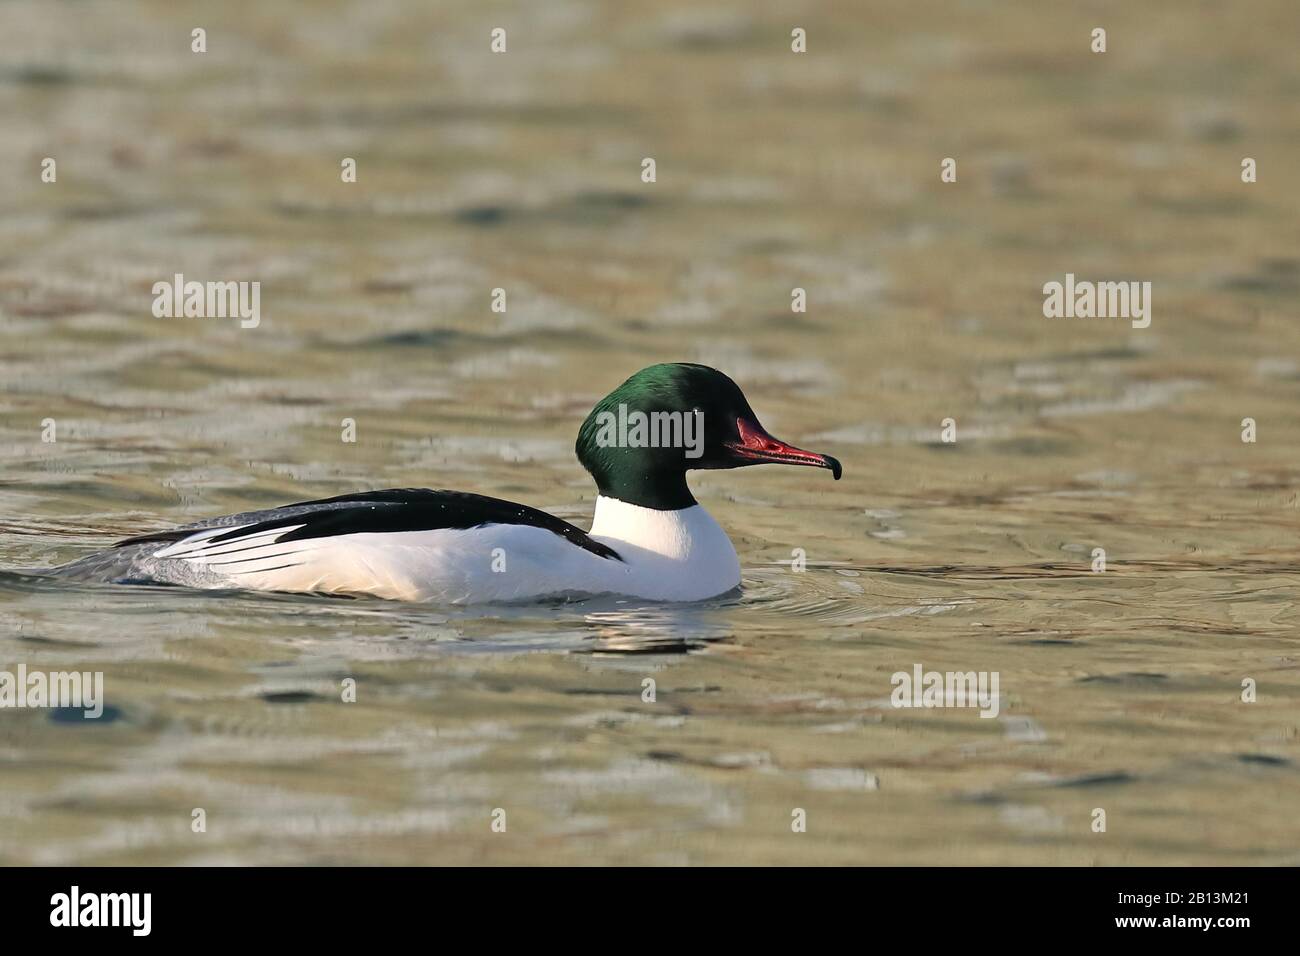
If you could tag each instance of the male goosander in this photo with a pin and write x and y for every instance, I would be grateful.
(649, 538)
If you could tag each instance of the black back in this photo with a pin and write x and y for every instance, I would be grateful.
(396, 509)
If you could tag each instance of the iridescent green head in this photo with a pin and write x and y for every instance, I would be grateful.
(641, 439)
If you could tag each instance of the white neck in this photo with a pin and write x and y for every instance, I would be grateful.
(680, 555)
(666, 533)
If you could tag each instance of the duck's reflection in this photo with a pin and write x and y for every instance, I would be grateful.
(655, 629)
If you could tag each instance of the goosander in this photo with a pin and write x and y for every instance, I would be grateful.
(649, 538)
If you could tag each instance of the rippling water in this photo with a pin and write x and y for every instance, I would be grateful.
(1119, 690)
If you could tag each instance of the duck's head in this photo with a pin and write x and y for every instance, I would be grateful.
(641, 439)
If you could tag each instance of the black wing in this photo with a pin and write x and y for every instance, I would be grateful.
(397, 509)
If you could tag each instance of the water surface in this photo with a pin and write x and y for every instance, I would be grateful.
(1120, 690)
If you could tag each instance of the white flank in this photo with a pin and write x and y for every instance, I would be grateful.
(666, 556)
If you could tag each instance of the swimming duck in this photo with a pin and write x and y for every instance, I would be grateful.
(649, 537)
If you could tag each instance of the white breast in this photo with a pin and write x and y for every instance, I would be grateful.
(681, 555)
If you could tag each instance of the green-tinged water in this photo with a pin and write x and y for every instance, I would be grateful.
(1120, 690)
